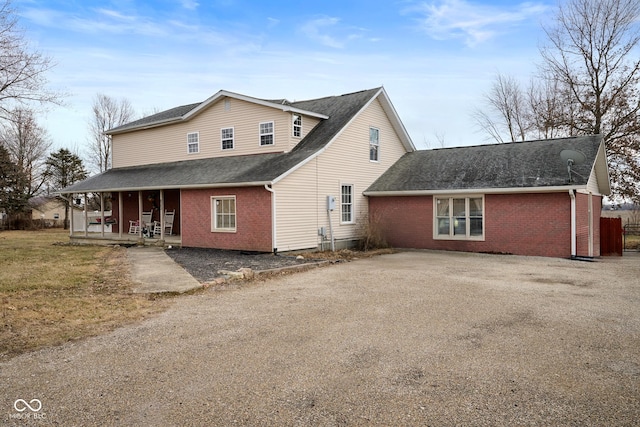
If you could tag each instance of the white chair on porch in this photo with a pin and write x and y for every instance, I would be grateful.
(134, 227)
(146, 218)
(168, 224)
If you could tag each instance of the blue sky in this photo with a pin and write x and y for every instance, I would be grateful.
(434, 58)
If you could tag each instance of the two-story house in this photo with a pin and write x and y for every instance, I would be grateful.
(244, 173)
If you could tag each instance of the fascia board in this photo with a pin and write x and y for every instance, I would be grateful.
(513, 190)
(397, 124)
(180, 187)
(601, 166)
(224, 93)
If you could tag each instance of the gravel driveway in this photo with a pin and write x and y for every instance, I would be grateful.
(414, 338)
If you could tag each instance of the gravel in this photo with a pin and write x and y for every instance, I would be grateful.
(206, 264)
(414, 338)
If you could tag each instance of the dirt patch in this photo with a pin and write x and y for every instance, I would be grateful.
(205, 264)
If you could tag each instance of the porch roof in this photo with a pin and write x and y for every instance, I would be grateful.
(211, 172)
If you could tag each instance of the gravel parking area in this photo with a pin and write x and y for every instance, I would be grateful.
(414, 338)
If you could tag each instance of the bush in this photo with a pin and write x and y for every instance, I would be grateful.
(371, 234)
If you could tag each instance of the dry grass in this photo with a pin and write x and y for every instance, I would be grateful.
(52, 292)
(632, 241)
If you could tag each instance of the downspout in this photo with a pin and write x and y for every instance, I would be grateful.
(274, 241)
(572, 194)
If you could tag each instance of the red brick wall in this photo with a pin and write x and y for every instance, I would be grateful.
(522, 224)
(253, 219)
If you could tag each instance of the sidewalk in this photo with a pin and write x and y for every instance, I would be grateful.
(153, 271)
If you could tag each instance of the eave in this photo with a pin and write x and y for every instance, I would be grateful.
(510, 190)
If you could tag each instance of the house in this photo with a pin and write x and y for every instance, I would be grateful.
(243, 173)
(47, 209)
(527, 198)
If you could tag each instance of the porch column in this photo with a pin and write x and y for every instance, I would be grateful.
(102, 214)
(140, 213)
(86, 217)
(161, 214)
(120, 213)
(70, 213)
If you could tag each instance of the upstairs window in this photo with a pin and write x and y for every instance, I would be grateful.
(226, 136)
(374, 144)
(459, 218)
(266, 133)
(193, 143)
(297, 126)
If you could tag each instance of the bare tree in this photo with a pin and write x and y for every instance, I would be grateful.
(108, 113)
(27, 144)
(22, 70)
(589, 84)
(592, 51)
(507, 107)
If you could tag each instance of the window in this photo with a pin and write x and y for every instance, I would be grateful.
(193, 142)
(346, 204)
(224, 213)
(459, 218)
(266, 133)
(374, 144)
(226, 136)
(297, 126)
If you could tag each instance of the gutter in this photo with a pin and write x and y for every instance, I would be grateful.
(274, 242)
(572, 194)
(506, 190)
(167, 186)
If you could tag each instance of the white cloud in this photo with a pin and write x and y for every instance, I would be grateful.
(316, 30)
(190, 4)
(472, 22)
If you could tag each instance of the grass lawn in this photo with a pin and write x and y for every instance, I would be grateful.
(52, 292)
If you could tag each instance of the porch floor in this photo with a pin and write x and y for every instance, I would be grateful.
(126, 239)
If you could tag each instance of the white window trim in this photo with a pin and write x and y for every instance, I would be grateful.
(233, 139)
(189, 143)
(293, 124)
(214, 214)
(273, 134)
(353, 203)
(467, 236)
(378, 145)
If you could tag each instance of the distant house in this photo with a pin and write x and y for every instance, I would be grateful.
(244, 173)
(47, 209)
(527, 198)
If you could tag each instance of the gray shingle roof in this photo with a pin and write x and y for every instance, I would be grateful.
(163, 116)
(512, 165)
(235, 170)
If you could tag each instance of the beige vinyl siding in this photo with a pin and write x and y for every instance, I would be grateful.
(592, 183)
(296, 211)
(308, 123)
(346, 161)
(169, 143)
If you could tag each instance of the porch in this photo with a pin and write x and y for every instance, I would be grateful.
(93, 238)
(144, 217)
